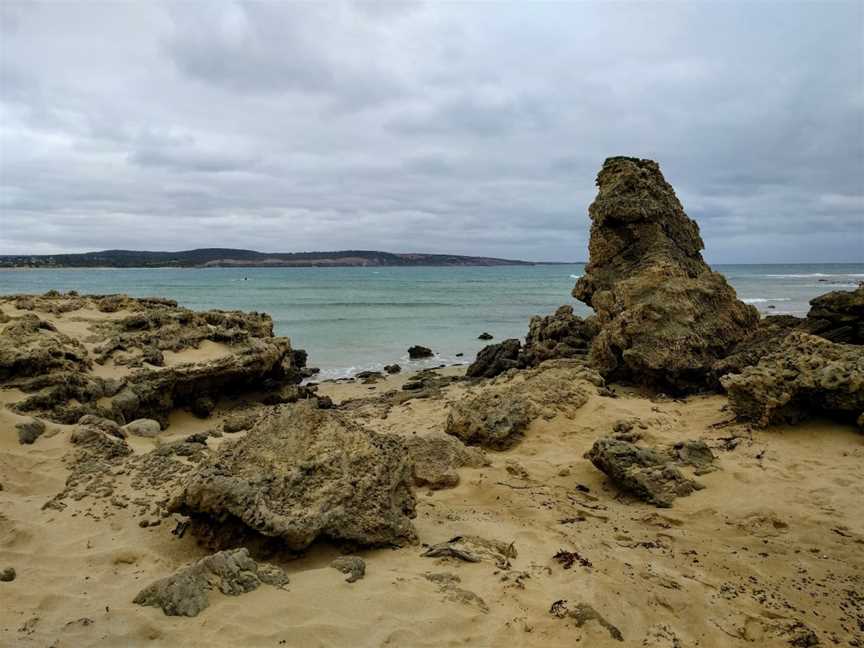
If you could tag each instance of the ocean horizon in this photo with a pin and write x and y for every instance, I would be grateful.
(356, 319)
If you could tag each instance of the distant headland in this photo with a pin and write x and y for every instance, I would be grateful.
(227, 257)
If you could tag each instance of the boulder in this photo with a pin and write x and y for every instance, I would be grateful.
(559, 335)
(664, 316)
(837, 316)
(304, 473)
(485, 336)
(353, 566)
(231, 572)
(806, 375)
(392, 369)
(30, 346)
(495, 359)
(437, 458)
(416, 352)
(29, 431)
(648, 474)
(143, 427)
(497, 415)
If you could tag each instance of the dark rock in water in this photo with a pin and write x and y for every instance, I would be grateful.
(459, 355)
(29, 431)
(353, 566)
(496, 359)
(437, 457)
(805, 375)
(7, 575)
(664, 316)
(648, 474)
(485, 336)
(304, 473)
(559, 335)
(417, 352)
(838, 316)
(392, 369)
(231, 572)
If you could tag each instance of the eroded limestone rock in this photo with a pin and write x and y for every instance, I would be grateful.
(806, 375)
(304, 473)
(186, 593)
(664, 316)
(437, 458)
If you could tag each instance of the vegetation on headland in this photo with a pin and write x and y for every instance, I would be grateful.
(227, 257)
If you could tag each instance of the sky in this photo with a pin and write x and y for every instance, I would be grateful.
(426, 127)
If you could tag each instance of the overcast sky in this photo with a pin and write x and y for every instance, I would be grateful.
(465, 128)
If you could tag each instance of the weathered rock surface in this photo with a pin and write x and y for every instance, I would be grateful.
(495, 359)
(838, 316)
(559, 335)
(664, 316)
(767, 338)
(29, 431)
(392, 369)
(304, 473)
(143, 428)
(806, 375)
(353, 566)
(497, 416)
(93, 373)
(649, 474)
(186, 593)
(437, 458)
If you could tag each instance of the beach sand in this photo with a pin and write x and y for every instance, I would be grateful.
(774, 541)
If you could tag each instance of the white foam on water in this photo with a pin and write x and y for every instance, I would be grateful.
(762, 300)
(575, 276)
(813, 274)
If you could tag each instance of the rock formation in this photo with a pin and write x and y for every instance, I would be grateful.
(649, 474)
(497, 416)
(437, 458)
(664, 316)
(805, 374)
(557, 336)
(838, 316)
(304, 473)
(231, 572)
(117, 368)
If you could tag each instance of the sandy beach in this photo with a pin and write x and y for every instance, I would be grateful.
(773, 544)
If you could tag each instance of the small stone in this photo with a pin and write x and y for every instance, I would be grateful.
(143, 427)
(29, 431)
(354, 566)
(7, 575)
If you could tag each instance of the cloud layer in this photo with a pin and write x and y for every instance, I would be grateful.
(475, 128)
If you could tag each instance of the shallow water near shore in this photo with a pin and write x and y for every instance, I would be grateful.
(353, 319)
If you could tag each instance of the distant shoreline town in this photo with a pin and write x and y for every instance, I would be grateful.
(228, 258)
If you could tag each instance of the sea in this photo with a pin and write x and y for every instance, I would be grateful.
(355, 319)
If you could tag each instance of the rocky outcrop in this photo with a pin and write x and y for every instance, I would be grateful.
(437, 458)
(30, 346)
(497, 416)
(806, 375)
(304, 473)
(559, 335)
(649, 474)
(116, 368)
(838, 316)
(767, 338)
(664, 316)
(186, 593)
(495, 359)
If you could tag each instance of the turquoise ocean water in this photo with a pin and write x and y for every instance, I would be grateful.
(351, 319)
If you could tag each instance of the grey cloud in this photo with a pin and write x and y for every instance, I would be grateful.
(436, 127)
